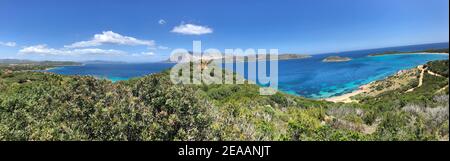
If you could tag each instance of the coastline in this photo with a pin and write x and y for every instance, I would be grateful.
(343, 98)
(50, 68)
(432, 53)
(346, 98)
(419, 53)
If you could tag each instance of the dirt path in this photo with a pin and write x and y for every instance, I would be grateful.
(372, 128)
(442, 89)
(346, 98)
(422, 72)
(434, 74)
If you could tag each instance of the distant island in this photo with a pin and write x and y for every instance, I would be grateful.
(336, 59)
(444, 50)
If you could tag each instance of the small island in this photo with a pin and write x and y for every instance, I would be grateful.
(336, 59)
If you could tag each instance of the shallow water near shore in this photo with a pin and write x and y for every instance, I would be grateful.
(315, 79)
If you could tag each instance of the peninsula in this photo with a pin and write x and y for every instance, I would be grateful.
(428, 51)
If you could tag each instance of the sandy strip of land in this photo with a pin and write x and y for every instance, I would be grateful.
(414, 53)
(435, 53)
(432, 53)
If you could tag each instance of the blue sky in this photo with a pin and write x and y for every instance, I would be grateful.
(138, 30)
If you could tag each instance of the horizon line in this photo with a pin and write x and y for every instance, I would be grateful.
(158, 61)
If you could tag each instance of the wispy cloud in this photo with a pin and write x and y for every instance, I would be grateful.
(42, 49)
(143, 54)
(162, 22)
(148, 53)
(163, 47)
(8, 44)
(109, 37)
(192, 29)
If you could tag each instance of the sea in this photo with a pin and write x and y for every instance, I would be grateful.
(310, 77)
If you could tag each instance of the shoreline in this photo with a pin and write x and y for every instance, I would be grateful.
(419, 53)
(346, 98)
(62, 66)
(50, 68)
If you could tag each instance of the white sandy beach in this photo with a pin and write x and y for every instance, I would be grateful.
(345, 98)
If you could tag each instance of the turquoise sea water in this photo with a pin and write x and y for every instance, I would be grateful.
(316, 79)
(310, 77)
(115, 71)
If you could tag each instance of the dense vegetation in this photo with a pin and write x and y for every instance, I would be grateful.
(439, 67)
(45, 106)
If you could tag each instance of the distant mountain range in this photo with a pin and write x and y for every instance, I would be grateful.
(31, 62)
(244, 58)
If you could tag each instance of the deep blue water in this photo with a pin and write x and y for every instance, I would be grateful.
(113, 72)
(310, 77)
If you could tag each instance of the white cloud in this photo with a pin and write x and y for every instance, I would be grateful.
(109, 37)
(147, 53)
(44, 50)
(162, 22)
(191, 29)
(8, 44)
(143, 54)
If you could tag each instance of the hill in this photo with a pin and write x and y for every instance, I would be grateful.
(45, 106)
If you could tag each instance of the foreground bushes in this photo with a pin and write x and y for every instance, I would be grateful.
(82, 108)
